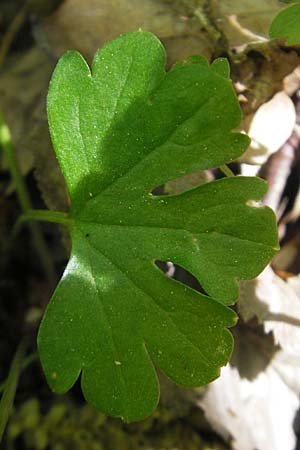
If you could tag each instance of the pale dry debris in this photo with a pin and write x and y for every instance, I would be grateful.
(259, 413)
(251, 21)
(276, 304)
(270, 128)
(291, 83)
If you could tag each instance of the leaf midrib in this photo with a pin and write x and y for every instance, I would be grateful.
(204, 233)
(115, 347)
(158, 147)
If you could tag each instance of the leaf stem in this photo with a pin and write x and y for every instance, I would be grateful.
(45, 215)
(225, 169)
(25, 202)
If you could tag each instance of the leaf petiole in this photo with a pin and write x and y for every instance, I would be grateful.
(46, 216)
(225, 169)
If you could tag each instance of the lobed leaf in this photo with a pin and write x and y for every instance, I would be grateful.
(287, 24)
(119, 132)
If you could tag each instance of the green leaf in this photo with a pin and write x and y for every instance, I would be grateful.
(287, 25)
(290, 1)
(119, 133)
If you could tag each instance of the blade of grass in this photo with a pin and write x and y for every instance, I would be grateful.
(26, 362)
(25, 202)
(7, 400)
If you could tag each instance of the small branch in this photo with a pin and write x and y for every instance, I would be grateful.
(225, 169)
(204, 21)
(281, 317)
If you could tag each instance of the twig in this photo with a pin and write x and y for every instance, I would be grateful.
(211, 30)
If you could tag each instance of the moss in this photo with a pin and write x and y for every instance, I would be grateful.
(67, 426)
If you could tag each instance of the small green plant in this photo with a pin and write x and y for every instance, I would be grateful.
(119, 131)
(286, 25)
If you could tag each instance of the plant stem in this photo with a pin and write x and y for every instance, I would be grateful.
(46, 216)
(6, 143)
(225, 169)
(25, 202)
(12, 31)
(25, 363)
(10, 388)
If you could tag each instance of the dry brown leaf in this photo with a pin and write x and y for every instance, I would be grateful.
(23, 91)
(86, 24)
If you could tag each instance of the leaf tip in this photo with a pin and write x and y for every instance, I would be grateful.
(221, 66)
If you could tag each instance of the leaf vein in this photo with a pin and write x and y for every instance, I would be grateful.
(167, 313)
(206, 233)
(157, 149)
